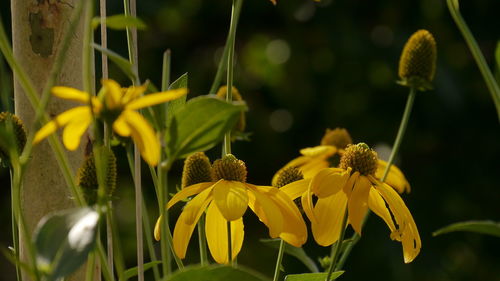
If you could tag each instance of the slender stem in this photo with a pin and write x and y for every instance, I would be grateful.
(202, 241)
(15, 234)
(165, 77)
(89, 275)
(87, 39)
(225, 53)
(109, 236)
(278, 260)
(337, 247)
(395, 149)
(149, 239)
(491, 83)
(138, 213)
(229, 244)
(163, 212)
(104, 39)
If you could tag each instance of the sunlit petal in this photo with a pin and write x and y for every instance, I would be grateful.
(395, 178)
(266, 210)
(144, 136)
(192, 207)
(133, 92)
(60, 121)
(231, 198)
(307, 205)
(321, 150)
(74, 130)
(296, 188)
(189, 191)
(157, 98)
(113, 94)
(70, 94)
(328, 181)
(329, 213)
(183, 230)
(358, 203)
(377, 204)
(121, 127)
(311, 168)
(216, 232)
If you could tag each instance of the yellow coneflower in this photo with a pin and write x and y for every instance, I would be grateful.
(117, 106)
(354, 187)
(226, 199)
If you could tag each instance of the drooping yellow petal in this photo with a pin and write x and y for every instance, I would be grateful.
(183, 230)
(328, 181)
(329, 213)
(113, 94)
(216, 232)
(311, 168)
(121, 127)
(296, 188)
(294, 228)
(192, 207)
(133, 92)
(60, 121)
(350, 183)
(377, 204)
(307, 205)
(74, 130)
(157, 98)
(231, 198)
(144, 136)
(358, 203)
(407, 231)
(395, 178)
(70, 94)
(266, 210)
(189, 191)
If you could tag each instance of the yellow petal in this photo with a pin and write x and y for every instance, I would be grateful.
(121, 127)
(192, 207)
(157, 230)
(297, 162)
(74, 130)
(266, 210)
(320, 150)
(358, 203)
(407, 229)
(133, 92)
(189, 191)
(183, 230)
(328, 181)
(113, 94)
(144, 136)
(310, 169)
(216, 232)
(70, 94)
(157, 98)
(294, 228)
(307, 205)
(377, 204)
(60, 121)
(329, 213)
(395, 178)
(296, 188)
(231, 199)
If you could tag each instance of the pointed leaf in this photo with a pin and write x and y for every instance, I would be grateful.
(298, 253)
(200, 125)
(484, 227)
(216, 273)
(63, 241)
(313, 276)
(120, 61)
(176, 105)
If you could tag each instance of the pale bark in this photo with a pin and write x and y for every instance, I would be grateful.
(38, 27)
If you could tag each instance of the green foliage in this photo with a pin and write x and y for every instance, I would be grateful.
(120, 22)
(120, 61)
(132, 272)
(200, 125)
(63, 241)
(176, 105)
(216, 273)
(312, 276)
(298, 253)
(484, 227)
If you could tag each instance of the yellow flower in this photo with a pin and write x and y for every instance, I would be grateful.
(328, 154)
(115, 105)
(354, 187)
(226, 199)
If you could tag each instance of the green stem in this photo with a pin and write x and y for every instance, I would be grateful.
(223, 61)
(109, 236)
(149, 239)
(493, 87)
(278, 260)
(87, 40)
(395, 149)
(89, 275)
(202, 241)
(229, 244)
(15, 234)
(337, 247)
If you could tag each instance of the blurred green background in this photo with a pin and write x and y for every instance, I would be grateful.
(303, 67)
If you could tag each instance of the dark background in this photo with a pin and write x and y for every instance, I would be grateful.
(303, 67)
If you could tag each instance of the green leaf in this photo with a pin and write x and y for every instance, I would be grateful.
(63, 241)
(131, 272)
(497, 55)
(200, 125)
(120, 61)
(313, 276)
(176, 105)
(119, 22)
(299, 253)
(485, 227)
(216, 273)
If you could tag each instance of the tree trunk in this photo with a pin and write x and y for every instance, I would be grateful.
(38, 28)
